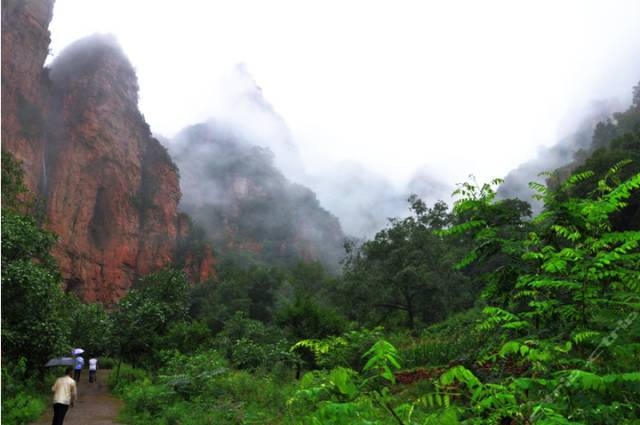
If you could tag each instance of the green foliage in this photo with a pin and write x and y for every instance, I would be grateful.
(107, 363)
(495, 230)
(201, 389)
(249, 344)
(382, 358)
(125, 375)
(342, 396)
(91, 328)
(251, 290)
(186, 337)
(578, 283)
(22, 409)
(33, 319)
(615, 141)
(403, 276)
(147, 312)
(21, 403)
(306, 318)
(186, 374)
(454, 340)
(150, 399)
(34, 314)
(309, 280)
(346, 350)
(33, 310)
(14, 191)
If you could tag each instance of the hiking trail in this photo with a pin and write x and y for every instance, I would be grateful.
(95, 405)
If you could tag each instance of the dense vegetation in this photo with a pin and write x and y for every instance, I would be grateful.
(38, 319)
(478, 314)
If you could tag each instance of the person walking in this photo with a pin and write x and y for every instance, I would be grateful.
(78, 364)
(93, 369)
(65, 393)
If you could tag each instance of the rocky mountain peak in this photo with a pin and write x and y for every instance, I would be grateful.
(97, 60)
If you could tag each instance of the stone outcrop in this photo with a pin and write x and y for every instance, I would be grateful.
(110, 189)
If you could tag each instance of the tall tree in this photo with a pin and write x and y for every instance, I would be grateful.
(406, 269)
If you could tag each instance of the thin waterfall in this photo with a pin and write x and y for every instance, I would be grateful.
(44, 172)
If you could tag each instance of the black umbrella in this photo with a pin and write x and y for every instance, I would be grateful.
(60, 361)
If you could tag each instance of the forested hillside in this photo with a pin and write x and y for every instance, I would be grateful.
(478, 313)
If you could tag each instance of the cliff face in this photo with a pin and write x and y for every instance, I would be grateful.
(111, 190)
(25, 42)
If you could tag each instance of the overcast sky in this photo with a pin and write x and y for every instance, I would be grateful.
(458, 87)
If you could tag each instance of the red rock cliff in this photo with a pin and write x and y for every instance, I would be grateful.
(111, 190)
(25, 43)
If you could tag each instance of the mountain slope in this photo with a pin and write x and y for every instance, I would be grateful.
(571, 148)
(246, 205)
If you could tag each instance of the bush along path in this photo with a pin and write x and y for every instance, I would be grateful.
(95, 405)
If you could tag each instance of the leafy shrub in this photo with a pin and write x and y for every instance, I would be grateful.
(343, 396)
(454, 340)
(124, 375)
(346, 350)
(147, 312)
(186, 337)
(177, 363)
(21, 409)
(190, 375)
(250, 344)
(306, 318)
(21, 402)
(200, 389)
(151, 399)
(106, 363)
(248, 354)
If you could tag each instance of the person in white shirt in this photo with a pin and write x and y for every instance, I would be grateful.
(93, 369)
(65, 394)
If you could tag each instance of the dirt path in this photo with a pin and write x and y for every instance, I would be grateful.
(95, 406)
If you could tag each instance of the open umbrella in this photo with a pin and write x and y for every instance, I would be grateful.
(77, 351)
(60, 361)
